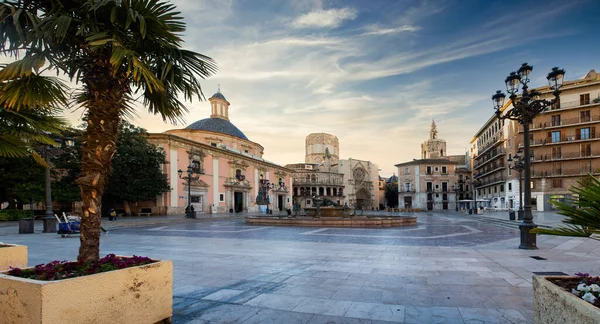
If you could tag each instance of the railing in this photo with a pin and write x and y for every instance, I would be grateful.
(563, 138)
(489, 158)
(566, 156)
(574, 104)
(332, 182)
(492, 169)
(560, 173)
(490, 181)
(497, 139)
(563, 122)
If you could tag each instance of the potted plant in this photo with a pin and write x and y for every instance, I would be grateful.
(576, 299)
(117, 52)
(121, 289)
(12, 255)
(566, 299)
(596, 100)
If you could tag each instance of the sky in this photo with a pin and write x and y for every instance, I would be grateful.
(375, 73)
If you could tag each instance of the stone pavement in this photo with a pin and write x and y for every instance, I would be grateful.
(546, 218)
(448, 269)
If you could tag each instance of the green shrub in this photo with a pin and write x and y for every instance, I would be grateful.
(13, 214)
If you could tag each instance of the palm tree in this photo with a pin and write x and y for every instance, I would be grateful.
(21, 131)
(119, 51)
(582, 214)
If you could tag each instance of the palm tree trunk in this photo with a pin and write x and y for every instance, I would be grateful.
(104, 99)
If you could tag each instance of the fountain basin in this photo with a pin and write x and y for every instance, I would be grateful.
(325, 211)
(356, 221)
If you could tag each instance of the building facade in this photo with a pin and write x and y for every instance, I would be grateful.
(564, 148)
(362, 183)
(431, 183)
(316, 146)
(565, 141)
(230, 169)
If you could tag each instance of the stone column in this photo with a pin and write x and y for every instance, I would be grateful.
(215, 201)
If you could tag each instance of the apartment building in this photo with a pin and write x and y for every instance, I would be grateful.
(490, 171)
(565, 140)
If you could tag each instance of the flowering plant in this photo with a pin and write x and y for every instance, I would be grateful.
(57, 270)
(588, 289)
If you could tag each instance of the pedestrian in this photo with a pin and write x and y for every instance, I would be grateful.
(112, 216)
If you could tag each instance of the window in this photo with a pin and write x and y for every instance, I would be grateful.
(502, 188)
(436, 169)
(196, 199)
(556, 152)
(245, 151)
(584, 116)
(479, 192)
(428, 170)
(406, 170)
(495, 189)
(586, 149)
(444, 196)
(221, 197)
(509, 186)
(556, 137)
(196, 166)
(584, 99)
(556, 168)
(584, 133)
(556, 183)
(556, 120)
(213, 144)
(444, 186)
(407, 187)
(429, 186)
(444, 170)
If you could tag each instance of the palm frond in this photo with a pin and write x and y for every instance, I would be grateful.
(33, 91)
(582, 214)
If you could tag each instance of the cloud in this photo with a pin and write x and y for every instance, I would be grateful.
(324, 18)
(376, 30)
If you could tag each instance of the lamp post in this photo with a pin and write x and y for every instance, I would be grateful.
(475, 184)
(525, 109)
(48, 152)
(517, 163)
(263, 195)
(189, 210)
(455, 188)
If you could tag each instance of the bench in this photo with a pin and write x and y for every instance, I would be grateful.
(145, 212)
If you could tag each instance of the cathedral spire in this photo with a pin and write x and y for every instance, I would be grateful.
(433, 131)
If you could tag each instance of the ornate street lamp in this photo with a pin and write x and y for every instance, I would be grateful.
(517, 163)
(48, 151)
(263, 195)
(525, 109)
(189, 210)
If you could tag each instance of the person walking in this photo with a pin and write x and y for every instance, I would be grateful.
(112, 216)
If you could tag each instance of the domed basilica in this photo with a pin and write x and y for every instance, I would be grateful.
(230, 174)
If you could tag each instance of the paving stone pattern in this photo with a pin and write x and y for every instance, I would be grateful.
(449, 269)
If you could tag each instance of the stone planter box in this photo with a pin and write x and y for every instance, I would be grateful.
(142, 294)
(13, 256)
(552, 304)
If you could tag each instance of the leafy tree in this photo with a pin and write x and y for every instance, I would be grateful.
(21, 181)
(582, 213)
(115, 49)
(136, 168)
(391, 194)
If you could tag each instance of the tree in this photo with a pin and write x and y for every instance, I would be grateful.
(582, 213)
(115, 49)
(391, 194)
(136, 168)
(21, 130)
(21, 181)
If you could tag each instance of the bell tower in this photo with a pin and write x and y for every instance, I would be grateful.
(433, 148)
(219, 105)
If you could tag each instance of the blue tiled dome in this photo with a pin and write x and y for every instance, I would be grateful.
(219, 95)
(218, 125)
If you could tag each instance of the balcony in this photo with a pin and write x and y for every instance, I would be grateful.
(563, 173)
(565, 156)
(490, 182)
(498, 138)
(563, 139)
(563, 123)
(323, 182)
(489, 158)
(488, 171)
(574, 104)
